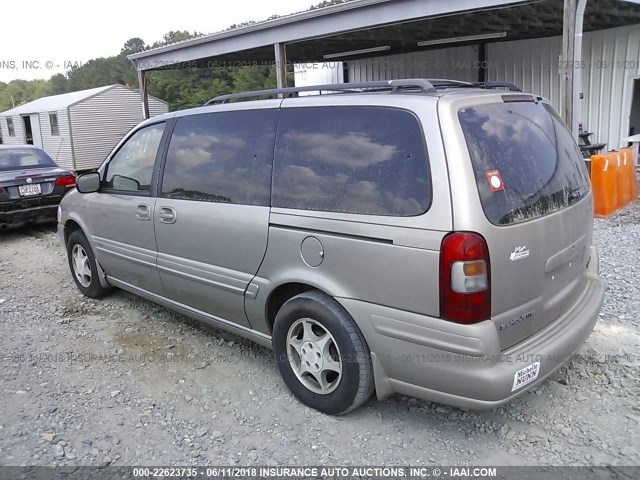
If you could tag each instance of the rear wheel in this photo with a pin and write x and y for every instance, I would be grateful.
(321, 354)
(82, 264)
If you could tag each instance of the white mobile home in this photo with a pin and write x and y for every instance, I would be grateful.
(77, 129)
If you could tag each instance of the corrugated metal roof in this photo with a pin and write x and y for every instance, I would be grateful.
(55, 102)
(310, 25)
(264, 24)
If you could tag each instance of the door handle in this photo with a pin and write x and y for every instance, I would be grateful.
(143, 212)
(167, 215)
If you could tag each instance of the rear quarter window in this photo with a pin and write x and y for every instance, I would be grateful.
(222, 157)
(362, 160)
(532, 150)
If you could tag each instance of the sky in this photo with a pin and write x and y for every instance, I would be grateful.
(42, 37)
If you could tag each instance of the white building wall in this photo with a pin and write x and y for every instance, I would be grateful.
(614, 56)
(308, 74)
(533, 65)
(18, 128)
(98, 123)
(611, 60)
(457, 63)
(57, 146)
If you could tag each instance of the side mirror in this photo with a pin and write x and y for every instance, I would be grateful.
(88, 183)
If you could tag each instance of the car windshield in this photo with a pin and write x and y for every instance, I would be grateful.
(20, 158)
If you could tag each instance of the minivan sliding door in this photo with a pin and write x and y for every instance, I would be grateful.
(212, 215)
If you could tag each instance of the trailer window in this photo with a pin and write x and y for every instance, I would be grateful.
(12, 132)
(53, 121)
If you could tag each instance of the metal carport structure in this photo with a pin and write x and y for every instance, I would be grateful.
(365, 28)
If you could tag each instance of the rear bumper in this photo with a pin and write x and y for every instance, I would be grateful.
(23, 215)
(462, 365)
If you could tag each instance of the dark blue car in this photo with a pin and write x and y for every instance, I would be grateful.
(31, 185)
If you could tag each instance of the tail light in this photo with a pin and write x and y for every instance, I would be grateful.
(66, 181)
(465, 278)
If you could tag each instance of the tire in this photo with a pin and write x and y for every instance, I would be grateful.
(342, 391)
(86, 280)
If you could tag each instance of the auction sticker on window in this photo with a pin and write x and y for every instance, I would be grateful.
(525, 376)
(495, 180)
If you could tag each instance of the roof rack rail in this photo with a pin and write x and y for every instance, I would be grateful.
(396, 86)
(511, 86)
(445, 82)
(423, 85)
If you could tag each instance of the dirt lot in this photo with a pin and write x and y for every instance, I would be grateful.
(122, 381)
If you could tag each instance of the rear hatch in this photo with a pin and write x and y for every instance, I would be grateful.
(534, 190)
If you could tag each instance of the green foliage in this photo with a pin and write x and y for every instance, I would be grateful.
(133, 45)
(100, 72)
(18, 92)
(180, 88)
(175, 37)
(328, 3)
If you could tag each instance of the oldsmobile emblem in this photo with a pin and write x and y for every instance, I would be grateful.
(516, 321)
(519, 253)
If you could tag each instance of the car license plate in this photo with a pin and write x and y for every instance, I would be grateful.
(525, 376)
(29, 190)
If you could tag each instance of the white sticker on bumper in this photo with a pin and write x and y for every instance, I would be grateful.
(525, 376)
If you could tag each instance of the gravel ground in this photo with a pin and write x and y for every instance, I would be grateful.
(122, 381)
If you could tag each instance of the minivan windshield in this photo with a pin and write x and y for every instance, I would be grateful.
(525, 161)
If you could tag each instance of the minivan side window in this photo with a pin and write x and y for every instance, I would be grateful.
(222, 157)
(362, 160)
(131, 168)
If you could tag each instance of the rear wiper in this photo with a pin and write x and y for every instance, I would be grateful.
(578, 193)
(544, 203)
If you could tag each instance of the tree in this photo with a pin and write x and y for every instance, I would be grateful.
(133, 45)
(100, 72)
(58, 84)
(181, 88)
(328, 3)
(175, 37)
(19, 92)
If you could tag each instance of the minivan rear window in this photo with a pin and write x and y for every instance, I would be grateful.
(525, 161)
(362, 160)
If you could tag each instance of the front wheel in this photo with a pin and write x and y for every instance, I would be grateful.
(321, 354)
(82, 264)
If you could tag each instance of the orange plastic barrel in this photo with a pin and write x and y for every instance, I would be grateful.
(631, 176)
(623, 193)
(604, 180)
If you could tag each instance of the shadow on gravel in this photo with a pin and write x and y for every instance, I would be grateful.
(36, 230)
